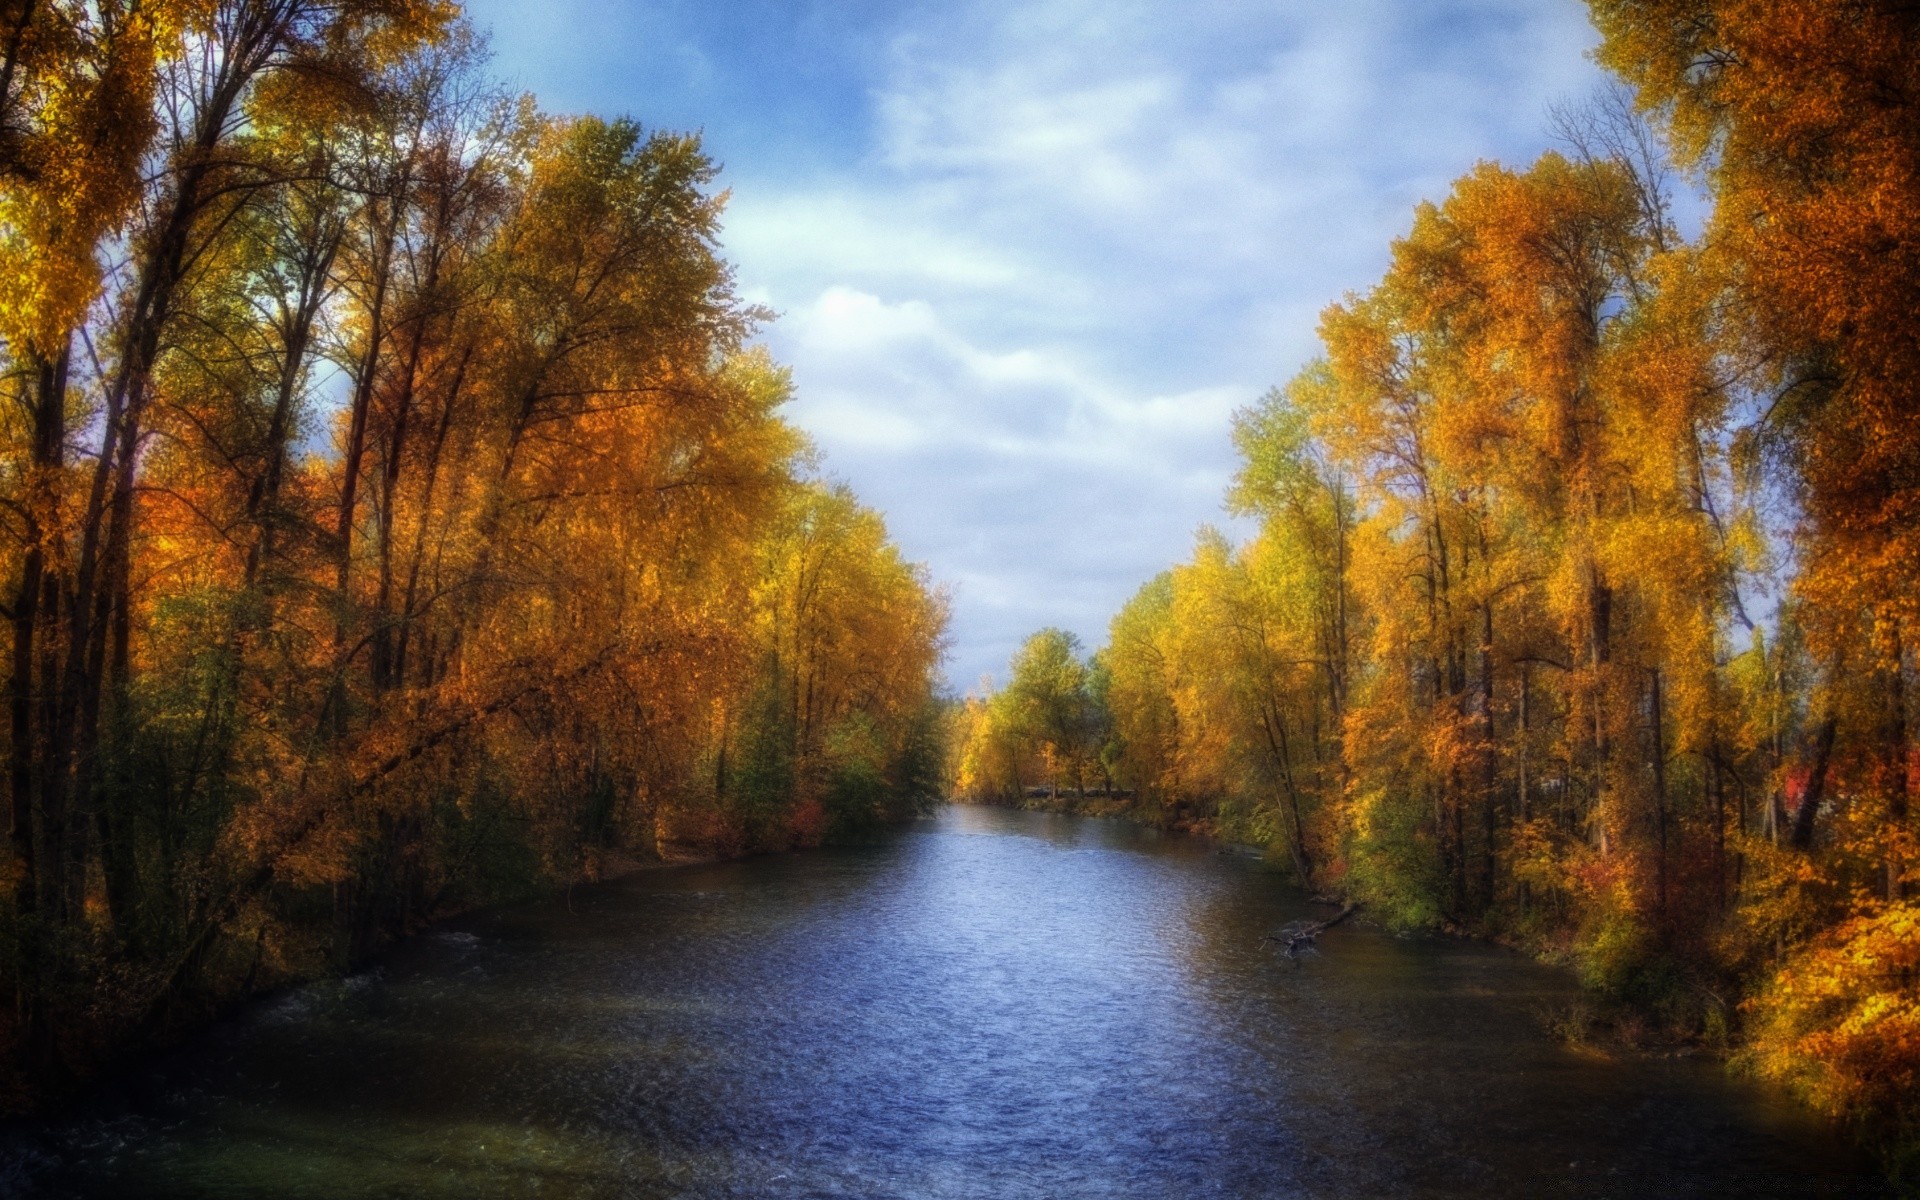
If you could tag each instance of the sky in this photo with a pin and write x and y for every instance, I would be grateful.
(1029, 256)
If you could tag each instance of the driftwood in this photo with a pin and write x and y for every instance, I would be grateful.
(1297, 936)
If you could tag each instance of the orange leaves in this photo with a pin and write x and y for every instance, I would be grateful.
(520, 611)
(1840, 1021)
(1512, 274)
(1801, 116)
(1514, 645)
(1805, 119)
(84, 79)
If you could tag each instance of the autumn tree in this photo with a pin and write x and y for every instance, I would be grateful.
(398, 516)
(1801, 119)
(1579, 605)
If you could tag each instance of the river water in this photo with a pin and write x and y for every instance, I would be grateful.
(988, 1004)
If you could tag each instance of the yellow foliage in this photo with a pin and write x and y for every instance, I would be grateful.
(1840, 1021)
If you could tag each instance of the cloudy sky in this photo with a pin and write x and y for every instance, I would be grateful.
(1030, 255)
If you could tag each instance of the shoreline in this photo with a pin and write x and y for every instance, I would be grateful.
(1598, 1033)
(119, 1065)
(1227, 848)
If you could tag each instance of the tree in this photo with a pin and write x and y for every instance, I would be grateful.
(1048, 703)
(1800, 118)
(549, 585)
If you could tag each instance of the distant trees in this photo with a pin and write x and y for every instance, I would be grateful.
(392, 514)
(840, 712)
(1581, 606)
(1043, 729)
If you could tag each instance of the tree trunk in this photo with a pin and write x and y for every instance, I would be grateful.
(1897, 754)
(1490, 760)
(1659, 795)
(1803, 820)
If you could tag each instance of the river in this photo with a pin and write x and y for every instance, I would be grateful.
(988, 1004)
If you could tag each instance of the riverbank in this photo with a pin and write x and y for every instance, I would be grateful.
(252, 960)
(69, 1083)
(1603, 1024)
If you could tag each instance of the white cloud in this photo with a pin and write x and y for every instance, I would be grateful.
(1044, 493)
(852, 233)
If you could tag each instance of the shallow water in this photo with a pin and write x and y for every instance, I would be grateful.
(990, 1004)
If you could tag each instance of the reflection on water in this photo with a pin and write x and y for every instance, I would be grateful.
(993, 1004)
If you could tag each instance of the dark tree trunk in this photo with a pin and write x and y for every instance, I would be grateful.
(1803, 820)
(1658, 718)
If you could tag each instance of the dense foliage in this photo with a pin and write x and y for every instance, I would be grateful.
(392, 515)
(1583, 602)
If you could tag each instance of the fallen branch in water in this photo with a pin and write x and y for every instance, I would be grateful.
(1300, 935)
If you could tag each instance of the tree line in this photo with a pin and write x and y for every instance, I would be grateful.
(393, 514)
(1582, 606)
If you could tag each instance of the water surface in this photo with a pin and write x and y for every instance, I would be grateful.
(990, 1004)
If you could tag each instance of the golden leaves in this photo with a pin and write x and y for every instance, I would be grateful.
(82, 117)
(1840, 1021)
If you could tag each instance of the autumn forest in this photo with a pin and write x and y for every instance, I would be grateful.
(398, 517)
(1583, 604)
(395, 519)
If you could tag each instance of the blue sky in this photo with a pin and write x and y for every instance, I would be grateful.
(1030, 255)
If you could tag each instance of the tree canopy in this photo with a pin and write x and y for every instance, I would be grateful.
(394, 515)
(1581, 608)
